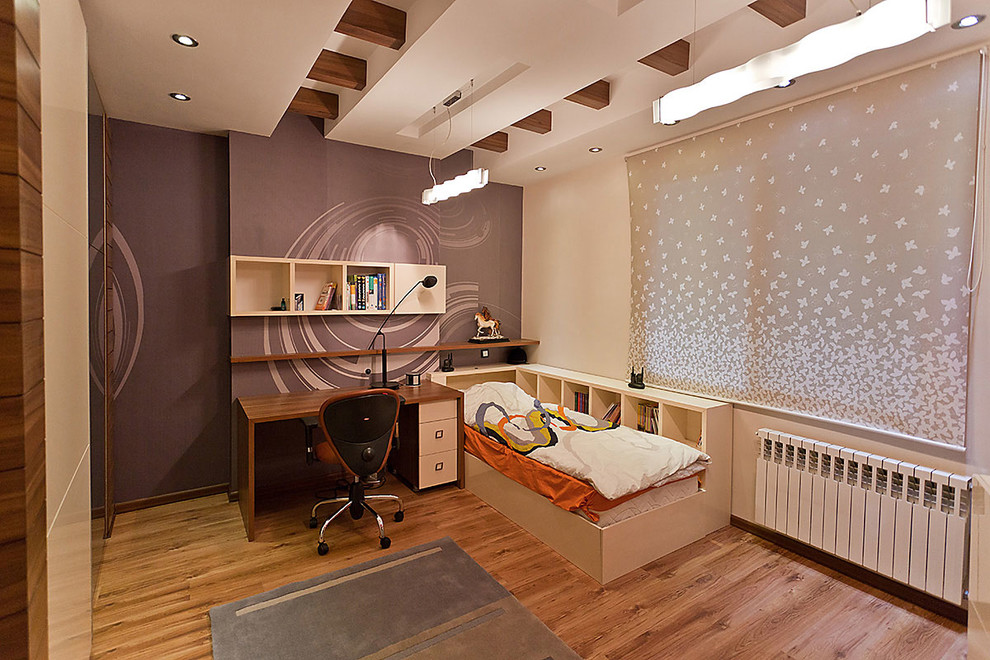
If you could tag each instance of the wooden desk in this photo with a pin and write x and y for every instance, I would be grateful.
(252, 410)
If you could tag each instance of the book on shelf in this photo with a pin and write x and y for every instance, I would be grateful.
(646, 418)
(325, 301)
(613, 414)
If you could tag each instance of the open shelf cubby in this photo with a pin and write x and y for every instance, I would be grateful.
(527, 382)
(548, 390)
(682, 424)
(311, 278)
(631, 407)
(601, 400)
(568, 398)
(257, 285)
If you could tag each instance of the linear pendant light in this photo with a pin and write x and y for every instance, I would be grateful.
(889, 23)
(470, 180)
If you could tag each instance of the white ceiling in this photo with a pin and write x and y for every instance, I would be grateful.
(518, 56)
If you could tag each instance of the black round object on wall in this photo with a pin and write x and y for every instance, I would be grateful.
(517, 355)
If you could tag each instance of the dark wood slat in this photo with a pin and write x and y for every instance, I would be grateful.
(28, 149)
(540, 122)
(497, 142)
(13, 591)
(672, 59)
(372, 21)
(22, 428)
(315, 104)
(338, 69)
(28, 81)
(903, 591)
(781, 12)
(22, 364)
(595, 95)
(12, 505)
(21, 276)
(20, 206)
(402, 349)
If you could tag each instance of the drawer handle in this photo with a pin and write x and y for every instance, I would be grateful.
(438, 467)
(439, 434)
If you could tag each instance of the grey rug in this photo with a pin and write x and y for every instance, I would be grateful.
(431, 601)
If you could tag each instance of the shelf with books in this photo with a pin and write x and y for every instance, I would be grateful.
(601, 401)
(259, 285)
(575, 396)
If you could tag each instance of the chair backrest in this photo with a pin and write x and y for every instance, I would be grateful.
(359, 427)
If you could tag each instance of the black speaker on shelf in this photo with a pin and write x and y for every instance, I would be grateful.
(517, 355)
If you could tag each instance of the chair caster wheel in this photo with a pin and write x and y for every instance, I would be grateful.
(312, 522)
(322, 549)
(399, 515)
(385, 542)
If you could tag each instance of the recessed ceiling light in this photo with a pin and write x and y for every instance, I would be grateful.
(968, 21)
(595, 150)
(540, 168)
(179, 96)
(786, 83)
(185, 40)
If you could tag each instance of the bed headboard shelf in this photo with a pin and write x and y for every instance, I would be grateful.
(682, 417)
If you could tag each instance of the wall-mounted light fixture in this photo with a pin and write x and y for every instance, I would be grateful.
(887, 24)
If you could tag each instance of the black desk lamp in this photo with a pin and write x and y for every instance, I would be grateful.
(428, 282)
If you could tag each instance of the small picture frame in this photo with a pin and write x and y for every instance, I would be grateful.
(300, 302)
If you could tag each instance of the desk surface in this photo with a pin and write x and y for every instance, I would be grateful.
(274, 407)
(252, 410)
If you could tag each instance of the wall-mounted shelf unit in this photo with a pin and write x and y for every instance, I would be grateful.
(259, 283)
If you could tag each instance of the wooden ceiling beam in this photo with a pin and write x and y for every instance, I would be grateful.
(540, 122)
(339, 69)
(314, 103)
(672, 59)
(781, 12)
(372, 21)
(595, 95)
(497, 142)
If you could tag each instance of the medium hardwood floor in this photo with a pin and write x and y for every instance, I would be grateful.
(730, 594)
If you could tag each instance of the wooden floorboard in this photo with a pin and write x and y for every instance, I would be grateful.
(728, 595)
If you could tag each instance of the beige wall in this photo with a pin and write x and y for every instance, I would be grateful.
(64, 143)
(576, 270)
(576, 243)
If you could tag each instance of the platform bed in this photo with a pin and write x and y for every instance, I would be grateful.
(608, 552)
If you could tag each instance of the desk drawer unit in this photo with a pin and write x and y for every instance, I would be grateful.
(427, 450)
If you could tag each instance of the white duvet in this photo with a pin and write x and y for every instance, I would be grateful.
(615, 461)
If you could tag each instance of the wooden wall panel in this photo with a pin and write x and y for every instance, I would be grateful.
(372, 21)
(23, 519)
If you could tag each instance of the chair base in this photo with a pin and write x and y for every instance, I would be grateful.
(356, 502)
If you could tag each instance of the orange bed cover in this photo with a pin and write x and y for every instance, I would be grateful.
(567, 492)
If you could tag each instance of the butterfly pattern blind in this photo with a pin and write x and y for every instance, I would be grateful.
(815, 259)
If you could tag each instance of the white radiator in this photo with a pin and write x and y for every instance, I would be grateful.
(901, 520)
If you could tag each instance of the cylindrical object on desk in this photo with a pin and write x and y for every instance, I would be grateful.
(412, 380)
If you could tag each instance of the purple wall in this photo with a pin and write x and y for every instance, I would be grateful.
(183, 202)
(299, 195)
(172, 407)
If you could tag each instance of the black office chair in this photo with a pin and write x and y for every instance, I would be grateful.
(357, 434)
